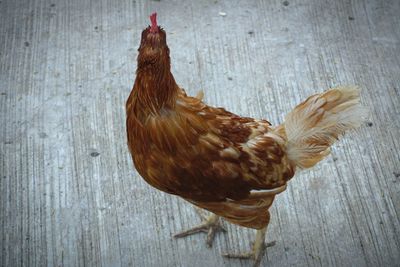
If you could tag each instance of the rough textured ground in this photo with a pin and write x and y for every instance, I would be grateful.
(69, 195)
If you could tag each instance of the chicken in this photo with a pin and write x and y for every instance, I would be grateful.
(230, 165)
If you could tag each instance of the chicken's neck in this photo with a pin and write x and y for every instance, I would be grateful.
(155, 88)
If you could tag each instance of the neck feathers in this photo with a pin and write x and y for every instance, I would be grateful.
(155, 87)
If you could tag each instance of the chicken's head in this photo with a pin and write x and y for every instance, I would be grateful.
(153, 45)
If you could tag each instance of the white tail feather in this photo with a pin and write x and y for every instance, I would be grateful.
(314, 125)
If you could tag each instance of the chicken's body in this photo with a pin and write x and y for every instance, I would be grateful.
(230, 165)
(210, 157)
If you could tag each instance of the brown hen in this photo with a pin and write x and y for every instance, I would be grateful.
(229, 165)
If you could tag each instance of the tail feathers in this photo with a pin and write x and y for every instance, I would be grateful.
(314, 125)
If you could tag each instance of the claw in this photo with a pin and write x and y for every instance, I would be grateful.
(210, 225)
(257, 252)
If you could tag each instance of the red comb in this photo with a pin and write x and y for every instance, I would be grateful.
(154, 26)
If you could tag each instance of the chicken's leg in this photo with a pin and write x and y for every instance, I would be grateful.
(210, 224)
(257, 252)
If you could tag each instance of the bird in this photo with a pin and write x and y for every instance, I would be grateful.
(229, 165)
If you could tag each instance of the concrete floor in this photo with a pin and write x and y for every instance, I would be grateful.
(69, 195)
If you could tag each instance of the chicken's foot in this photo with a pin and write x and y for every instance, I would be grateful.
(210, 224)
(258, 250)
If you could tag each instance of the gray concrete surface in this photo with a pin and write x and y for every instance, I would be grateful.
(69, 195)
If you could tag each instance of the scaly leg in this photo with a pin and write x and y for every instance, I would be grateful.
(257, 253)
(210, 225)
